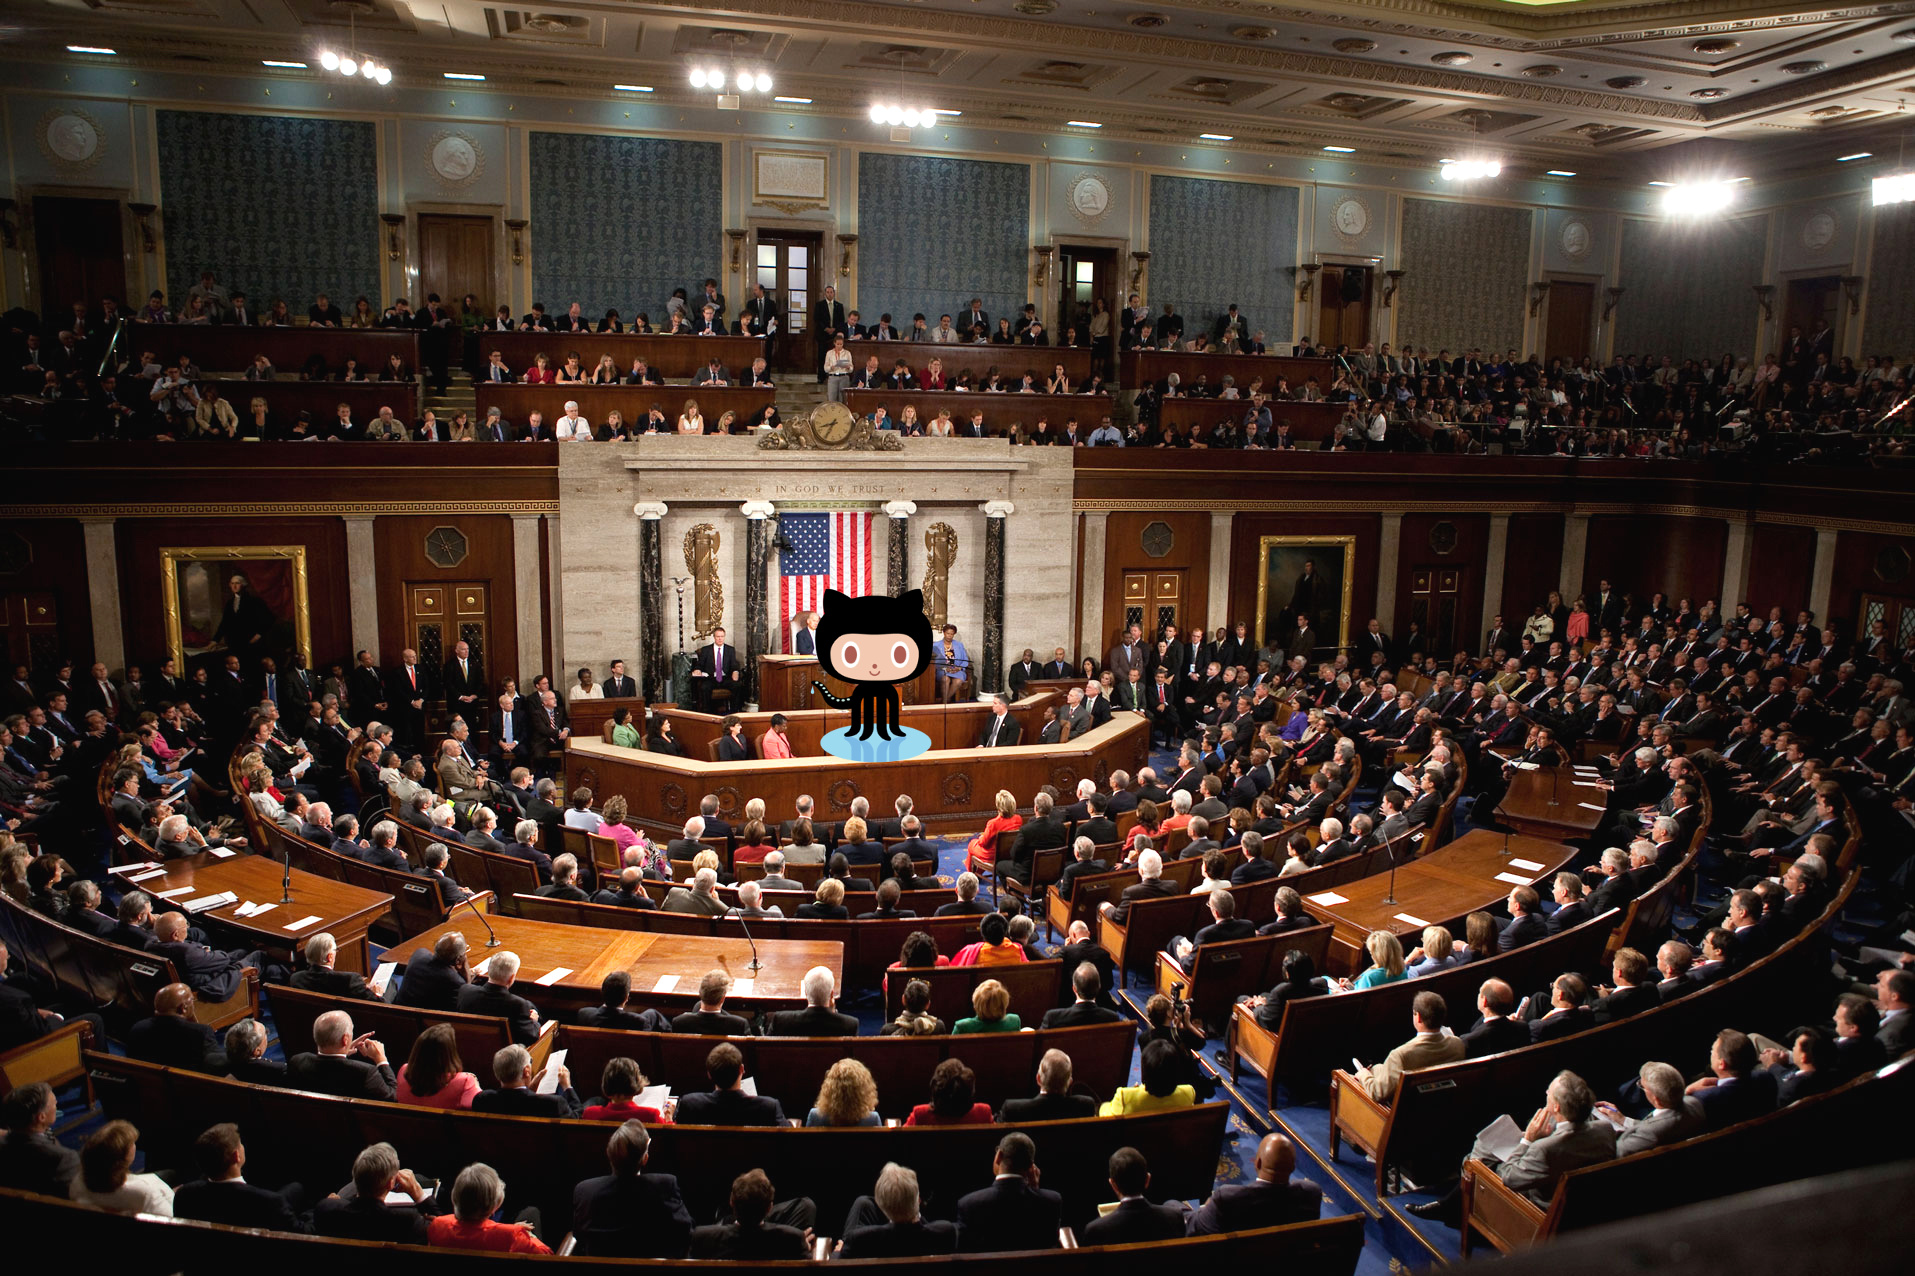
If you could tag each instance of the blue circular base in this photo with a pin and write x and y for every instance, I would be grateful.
(843, 744)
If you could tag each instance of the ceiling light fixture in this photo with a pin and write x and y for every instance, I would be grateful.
(1843, 159)
(1559, 172)
(726, 84)
(1217, 137)
(1897, 188)
(290, 66)
(462, 75)
(945, 110)
(794, 101)
(633, 88)
(1083, 124)
(354, 63)
(1341, 150)
(1697, 199)
(1469, 170)
(92, 48)
(903, 116)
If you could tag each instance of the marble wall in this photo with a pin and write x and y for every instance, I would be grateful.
(1687, 286)
(1468, 265)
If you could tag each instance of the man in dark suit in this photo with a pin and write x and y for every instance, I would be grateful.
(1740, 1088)
(817, 1019)
(1013, 1213)
(366, 692)
(1274, 1198)
(726, 1103)
(495, 997)
(433, 980)
(517, 1094)
(1135, 1218)
(222, 1194)
(1044, 831)
(1057, 666)
(827, 321)
(711, 1018)
(1080, 948)
(614, 1009)
(887, 1224)
(1022, 671)
(629, 1213)
(620, 686)
(1566, 1015)
(1254, 866)
(365, 1216)
(342, 1064)
(510, 730)
(716, 665)
(1087, 985)
(211, 974)
(1082, 862)
(752, 1236)
(1054, 1101)
(173, 1037)
(1151, 885)
(463, 682)
(1525, 924)
(318, 975)
(1495, 1031)
(1000, 730)
(408, 691)
(31, 1159)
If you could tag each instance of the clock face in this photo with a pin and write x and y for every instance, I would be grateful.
(831, 424)
(445, 546)
(1350, 217)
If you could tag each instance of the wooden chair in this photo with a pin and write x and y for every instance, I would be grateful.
(57, 1058)
(1220, 973)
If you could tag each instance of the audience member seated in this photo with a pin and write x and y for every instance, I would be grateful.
(1564, 1135)
(629, 1213)
(342, 1064)
(620, 1085)
(1014, 1213)
(847, 1096)
(817, 1019)
(172, 1036)
(727, 1103)
(1159, 1089)
(363, 1213)
(1274, 1198)
(31, 1158)
(1135, 1219)
(1428, 1048)
(106, 1179)
(477, 1194)
(222, 1195)
(990, 1009)
(888, 1224)
(433, 1075)
(519, 1088)
(953, 1095)
(494, 996)
(914, 1019)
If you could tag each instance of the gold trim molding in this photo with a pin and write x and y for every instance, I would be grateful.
(1267, 543)
(343, 509)
(1728, 514)
(172, 556)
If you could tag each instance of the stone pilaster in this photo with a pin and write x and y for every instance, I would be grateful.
(1217, 607)
(1735, 563)
(757, 566)
(525, 578)
(1091, 629)
(103, 593)
(1821, 577)
(362, 587)
(1387, 559)
(1575, 549)
(1495, 561)
(995, 512)
(654, 659)
(898, 546)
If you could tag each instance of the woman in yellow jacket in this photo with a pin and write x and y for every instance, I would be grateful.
(1159, 1090)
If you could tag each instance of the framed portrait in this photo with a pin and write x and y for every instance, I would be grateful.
(249, 600)
(1305, 578)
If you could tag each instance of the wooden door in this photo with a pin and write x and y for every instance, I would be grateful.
(1435, 595)
(82, 256)
(1811, 303)
(1343, 306)
(1084, 273)
(455, 258)
(439, 615)
(1567, 332)
(791, 270)
(1896, 614)
(1153, 598)
(30, 632)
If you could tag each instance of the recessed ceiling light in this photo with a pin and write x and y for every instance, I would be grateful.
(633, 88)
(1559, 172)
(462, 75)
(1659, 183)
(795, 101)
(1083, 124)
(1843, 159)
(1341, 150)
(92, 48)
(945, 110)
(1217, 137)
(294, 66)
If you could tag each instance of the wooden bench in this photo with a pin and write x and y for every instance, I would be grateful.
(57, 1058)
(172, 1107)
(1221, 973)
(418, 903)
(1326, 1247)
(1093, 889)
(479, 1037)
(1033, 987)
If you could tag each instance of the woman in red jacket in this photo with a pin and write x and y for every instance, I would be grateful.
(981, 855)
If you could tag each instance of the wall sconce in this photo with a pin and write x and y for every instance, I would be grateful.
(1393, 281)
(1537, 291)
(517, 226)
(1309, 283)
(1852, 289)
(1765, 297)
(737, 238)
(9, 223)
(395, 234)
(846, 243)
(1044, 252)
(1138, 262)
(1610, 297)
(143, 218)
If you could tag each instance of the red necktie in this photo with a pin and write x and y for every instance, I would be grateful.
(412, 676)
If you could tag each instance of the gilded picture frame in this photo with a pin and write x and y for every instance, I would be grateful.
(1279, 566)
(195, 589)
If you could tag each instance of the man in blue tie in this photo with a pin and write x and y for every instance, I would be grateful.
(1128, 654)
(269, 680)
(508, 735)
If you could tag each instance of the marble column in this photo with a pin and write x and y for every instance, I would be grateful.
(1217, 608)
(1735, 563)
(898, 547)
(1386, 564)
(1821, 577)
(655, 678)
(1090, 602)
(525, 579)
(995, 512)
(362, 586)
(757, 590)
(1575, 549)
(555, 586)
(1494, 559)
(103, 593)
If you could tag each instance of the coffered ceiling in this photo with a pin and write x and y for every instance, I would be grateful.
(1587, 84)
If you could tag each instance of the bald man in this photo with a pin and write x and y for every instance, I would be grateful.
(1273, 1199)
(174, 1037)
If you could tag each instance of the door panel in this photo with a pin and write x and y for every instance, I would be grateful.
(455, 257)
(1435, 598)
(30, 632)
(1568, 333)
(1343, 306)
(791, 269)
(82, 255)
(439, 615)
(1812, 302)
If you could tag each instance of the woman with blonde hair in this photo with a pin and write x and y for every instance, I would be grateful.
(1386, 962)
(1437, 952)
(849, 1096)
(613, 825)
(990, 1010)
(106, 1179)
(981, 855)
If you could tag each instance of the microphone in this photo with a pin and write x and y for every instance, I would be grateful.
(286, 878)
(756, 965)
(1390, 897)
(492, 936)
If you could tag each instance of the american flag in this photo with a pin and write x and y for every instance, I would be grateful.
(828, 551)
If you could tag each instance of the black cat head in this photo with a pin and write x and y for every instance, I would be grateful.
(874, 639)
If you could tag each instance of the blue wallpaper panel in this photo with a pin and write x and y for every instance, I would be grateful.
(277, 206)
(1213, 243)
(1686, 287)
(1467, 271)
(618, 222)
(935, 232)
(1889, 326)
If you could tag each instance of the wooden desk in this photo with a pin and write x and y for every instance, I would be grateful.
(1153, 366)
(1548, 803)
(1001, 411)
(667, 356)
(223, 348)
(631, 402)
(954, 787)
(784, 684)
(286, 399)
(591, 954)
(347, 912)
(1440, 888)
(1309, 422)
(1010, 361)
(950, 726)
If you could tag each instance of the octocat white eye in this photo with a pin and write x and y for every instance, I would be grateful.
(848, 654)
(900, 655)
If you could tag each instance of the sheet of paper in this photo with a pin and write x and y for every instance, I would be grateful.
(221, 853)
(398, 1198)
(1328, 898)
(246, 908)
(1501, 1139)
(1580, 785)
(479, 970)
(1908, 937)
(263, 908)
(1411, 918)
(1531, 865)
(665, 983)
(1514, 879)
(654, 1096)
(1592, 806)
(140, 867)
(552, 976)
(742, 987)
(750, 1086)
(382, 976)
(549, 1079)
(175, 893)
(303, 922)
(148, 875)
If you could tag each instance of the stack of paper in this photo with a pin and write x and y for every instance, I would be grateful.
(380, 977)
(549, 1079)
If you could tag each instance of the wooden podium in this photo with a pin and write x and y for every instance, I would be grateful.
(784, 684)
